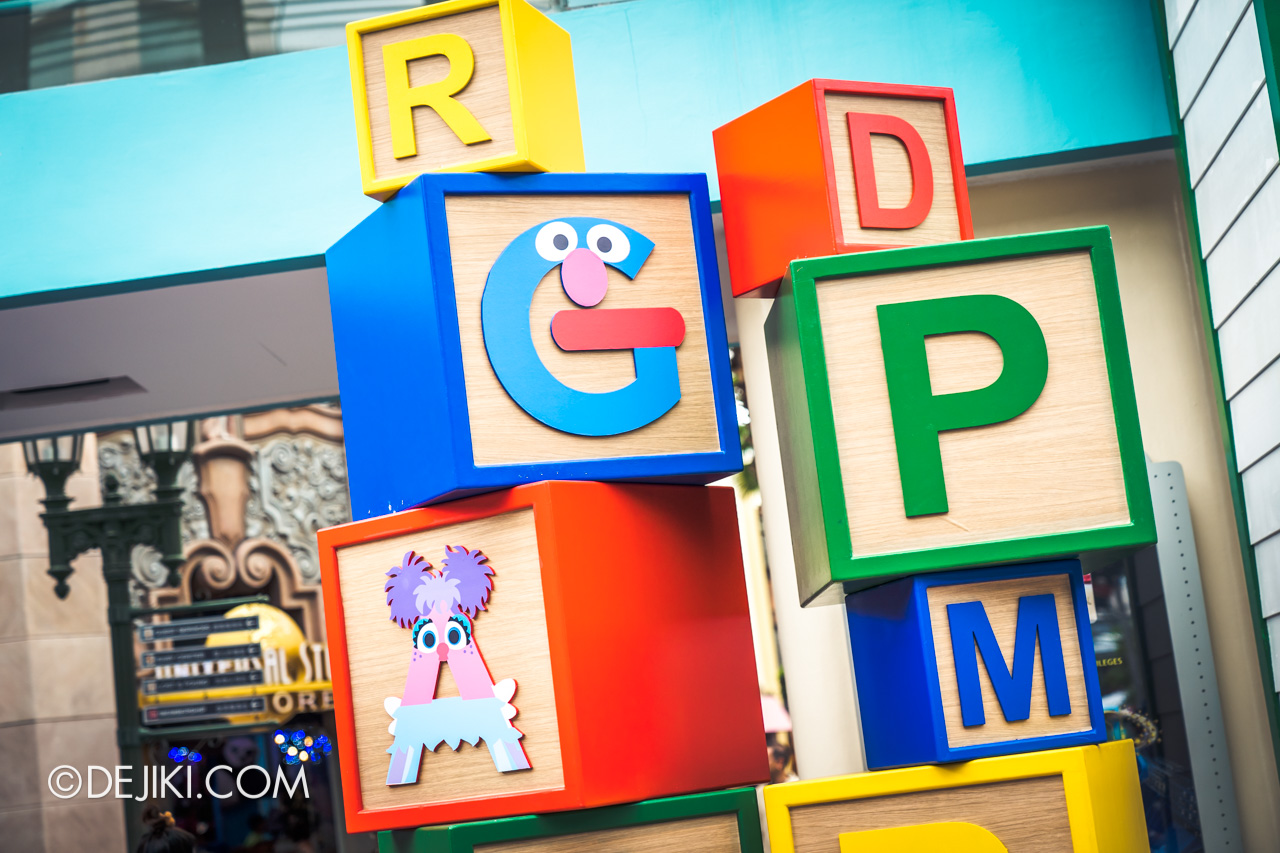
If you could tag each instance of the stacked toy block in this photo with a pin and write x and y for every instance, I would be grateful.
(541, 607)
(958, 428)
(699, 823)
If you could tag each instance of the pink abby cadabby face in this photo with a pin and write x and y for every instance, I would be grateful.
(441, 631)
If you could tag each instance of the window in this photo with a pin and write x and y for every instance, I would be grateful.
(56, 42)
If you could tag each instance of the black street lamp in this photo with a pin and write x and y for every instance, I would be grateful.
(116, 529)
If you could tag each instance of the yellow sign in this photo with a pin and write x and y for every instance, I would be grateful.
(295, 672)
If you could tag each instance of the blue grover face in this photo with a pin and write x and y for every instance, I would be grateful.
(550, 243)
(582, 246)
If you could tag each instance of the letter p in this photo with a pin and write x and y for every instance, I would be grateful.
(919, 415)
(923, 838)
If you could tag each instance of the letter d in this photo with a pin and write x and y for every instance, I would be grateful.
(106, 775)
(870, 213)
(919, 415)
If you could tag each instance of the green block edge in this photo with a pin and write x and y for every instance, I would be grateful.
(796, 322)
(464, 837)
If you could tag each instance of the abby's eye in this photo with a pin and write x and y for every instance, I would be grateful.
(424, 635)
(555, 241)
(458, 634)
(609, 243)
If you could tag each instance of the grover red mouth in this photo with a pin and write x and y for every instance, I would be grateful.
(576, 330)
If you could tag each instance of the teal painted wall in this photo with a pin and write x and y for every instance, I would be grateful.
(178, 173)
(148, 181)
(1031, 78)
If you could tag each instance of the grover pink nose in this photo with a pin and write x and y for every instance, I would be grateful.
(583, 276)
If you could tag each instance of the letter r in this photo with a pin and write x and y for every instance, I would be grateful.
(919, 415)
(402, 98)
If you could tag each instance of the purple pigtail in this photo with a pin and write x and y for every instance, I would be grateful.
(404, 579)
(468, 570)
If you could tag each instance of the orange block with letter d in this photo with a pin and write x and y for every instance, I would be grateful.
(833, 167)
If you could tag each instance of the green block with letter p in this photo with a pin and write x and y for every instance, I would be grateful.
(956, 405)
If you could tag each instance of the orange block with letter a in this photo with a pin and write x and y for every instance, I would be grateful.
(833, 167)
(559, 645)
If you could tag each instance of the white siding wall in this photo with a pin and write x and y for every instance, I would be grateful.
(1232, 158)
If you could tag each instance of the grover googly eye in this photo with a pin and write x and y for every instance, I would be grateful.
(609, 243)
(555, 241)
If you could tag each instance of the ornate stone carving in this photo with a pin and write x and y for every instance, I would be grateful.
(323, 420)
(213, 563)
(118, 457)
(212, 570)
(263, 484)
(147, 566)
(225, 464)
(299, 486)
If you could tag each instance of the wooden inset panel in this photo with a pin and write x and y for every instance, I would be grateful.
(480, 227)
(893, 170)
(710, 834)
(1055, 468)
(511, 634)
(486, 96)
(1027, 815)
(1000, 598)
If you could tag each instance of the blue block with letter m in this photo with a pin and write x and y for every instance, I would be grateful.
(493, 330)
(968, 664)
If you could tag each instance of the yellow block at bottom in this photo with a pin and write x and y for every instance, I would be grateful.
(1085, 799)
(929, 838)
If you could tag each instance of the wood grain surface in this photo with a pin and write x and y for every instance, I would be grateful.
(1027, 815)
(511, 634)
(710, 834)
(480, 227)
(1052, 469)
(893, 169)
(487, 95)
(1000, 598)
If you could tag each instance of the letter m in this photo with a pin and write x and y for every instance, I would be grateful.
(972, 636)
